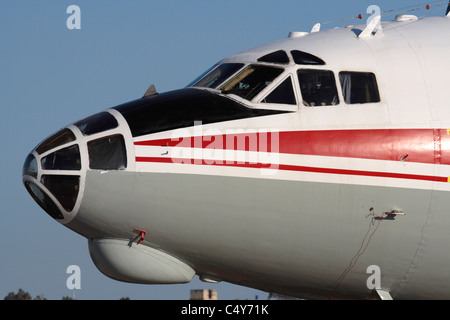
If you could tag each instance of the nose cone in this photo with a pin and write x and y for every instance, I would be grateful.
(29, 176)
(51, 174)
(54, 173)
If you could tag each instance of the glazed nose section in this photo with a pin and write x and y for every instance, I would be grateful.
(54, 173)
(51, 175)
(34, 188)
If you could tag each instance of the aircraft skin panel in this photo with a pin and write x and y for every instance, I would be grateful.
(234, 227)
(429, 258)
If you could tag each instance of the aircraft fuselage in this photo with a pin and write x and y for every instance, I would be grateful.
(291, 167)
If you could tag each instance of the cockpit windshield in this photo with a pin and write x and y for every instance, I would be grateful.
(217, 76)
(247, 83)
(251, 81)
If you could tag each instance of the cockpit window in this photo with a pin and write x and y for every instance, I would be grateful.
(64, 188)
(217, 76)
(108, 153)
(63, 159)
(61, 137)
(305, 58)
(97, 123)
(251, 81)
(43, 200)
(283, 94)
(318, 87)
(279, 56)
(359, 87)
(202, 75)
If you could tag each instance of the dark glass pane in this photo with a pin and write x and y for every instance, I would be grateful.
(301, 57)
(202, 75)
(251, 81)
(30, 166)
(180, 108)
(318, 87)
(97, 123)
(108, 153)
(359, 87)
(279, 56)
(61, 137)
(64, 159)
(216, 77)
(283, 94)
(43, 200)
(63, 188)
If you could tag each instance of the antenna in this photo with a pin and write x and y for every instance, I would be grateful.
(151, 91)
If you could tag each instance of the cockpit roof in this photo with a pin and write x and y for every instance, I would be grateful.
(338, 47)
(320, 44)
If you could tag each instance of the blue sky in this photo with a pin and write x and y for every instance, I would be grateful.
(51, 76)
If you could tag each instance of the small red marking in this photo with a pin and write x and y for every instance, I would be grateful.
(141, 234)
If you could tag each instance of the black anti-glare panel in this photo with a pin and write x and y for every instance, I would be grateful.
(181, 108)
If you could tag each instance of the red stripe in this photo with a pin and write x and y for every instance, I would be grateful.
(417, 145)
(296, 168)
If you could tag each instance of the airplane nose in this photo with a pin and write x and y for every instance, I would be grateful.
(54, 173)
(51, 174)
